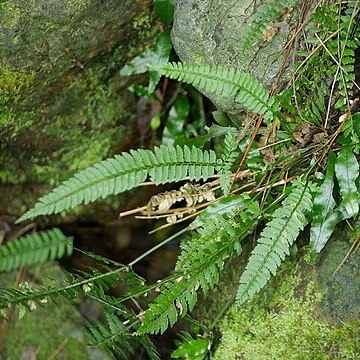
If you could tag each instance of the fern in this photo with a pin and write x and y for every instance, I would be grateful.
(275, 241)
(94, 283)
(198, 266)
(228, 158)
(300, 101)
(34, 249)
(344, 47)
(115, 338)
(260, 22)
(222, 81)
(112, 338)
(124, 172)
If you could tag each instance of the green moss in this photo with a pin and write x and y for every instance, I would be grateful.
(78, 5)
(13, 82)
(143, 22)
(143, 25)
(286, 327)
(10, 14)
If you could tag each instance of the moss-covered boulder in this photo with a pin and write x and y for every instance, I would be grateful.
(63, 105)
(305, 312)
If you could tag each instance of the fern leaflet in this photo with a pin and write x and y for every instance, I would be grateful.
(246, 90)
(124, 172)
(260, 22)
(275, 241)
(34, 249)
(228, 158)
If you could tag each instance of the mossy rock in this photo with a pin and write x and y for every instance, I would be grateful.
(63, 105)
(50, 331)
(286, 327)
(305, 312)
(340, 284)
(211, 31)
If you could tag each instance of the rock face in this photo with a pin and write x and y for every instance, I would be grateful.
(305, 312)
(62, 102)
(211, 31)
(341, 286)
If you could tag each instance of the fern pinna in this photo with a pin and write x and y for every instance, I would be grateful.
(222, 81)
(124, 172)
(34, 249)
(275, 241)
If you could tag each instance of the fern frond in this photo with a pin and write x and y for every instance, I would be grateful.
(222, 81)
(89, 283)
(198, 266)
(275, 241)
(260, 22)
(124, 172)
(34, 249)
(228, 158)
(113, 337)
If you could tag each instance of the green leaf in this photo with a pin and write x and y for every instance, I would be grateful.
(356, 122)
(228, 83)
(155, 122)
(228, 158)
(34, 249)
(275, 241)
(324, 218)
(195, 349)
(347, 171)
(199, 265)
(150, 60)
(164, 9)
(175, 121)
(227, 205)
(222, 118)
(124, 172)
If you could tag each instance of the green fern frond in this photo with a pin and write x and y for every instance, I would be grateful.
(93, 284)
(260, 22)
(275, 241)
(343, 48)
(124, 172)
(116, 340)
(113, 337)
(198, 266)
(222, 81)
(228, 158)
(34, 249)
